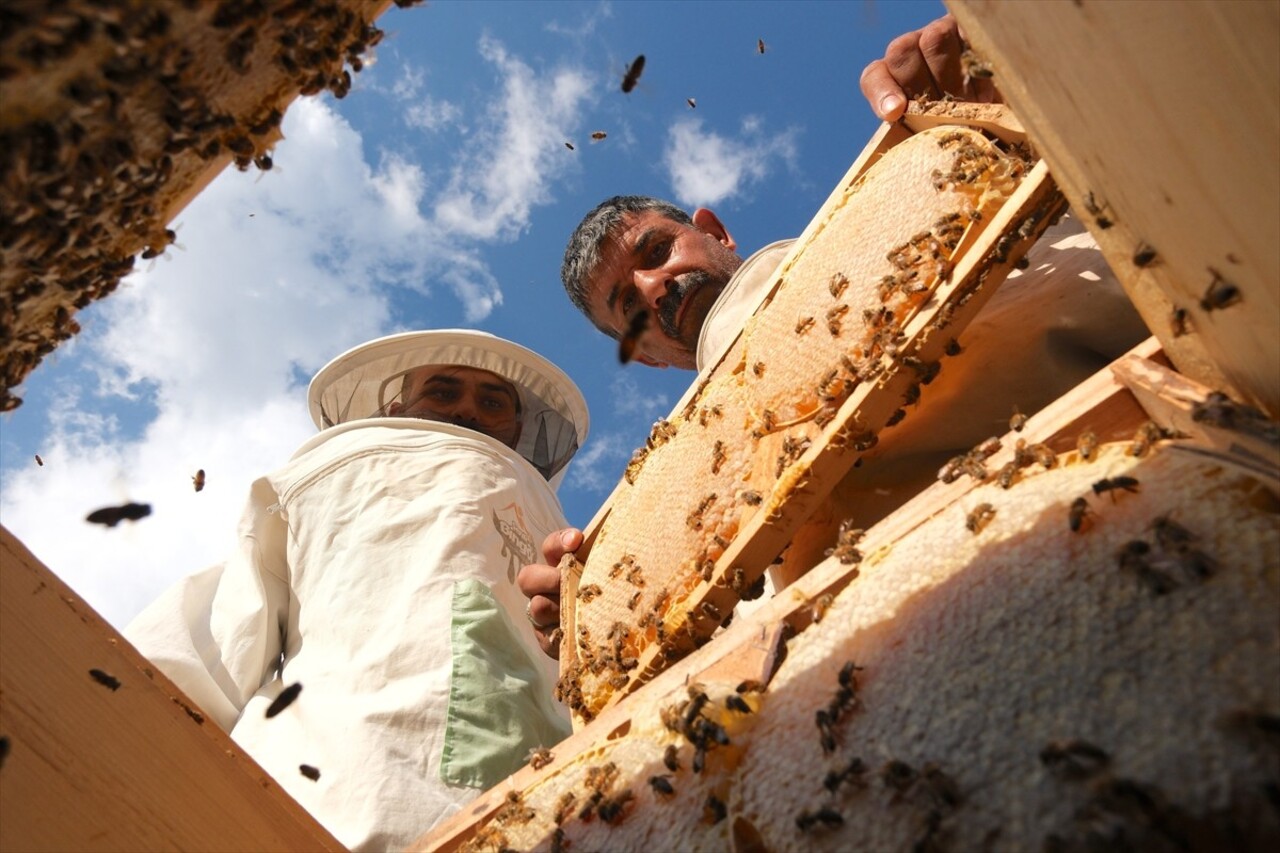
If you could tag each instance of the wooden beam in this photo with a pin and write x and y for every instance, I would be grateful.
(1161, 124)
(102, 752)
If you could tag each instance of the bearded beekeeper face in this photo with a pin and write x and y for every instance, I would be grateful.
(462, 377)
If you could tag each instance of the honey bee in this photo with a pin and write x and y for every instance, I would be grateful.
(671, 758)
(106, 679)
(1078, 515)
(834, 317)
(1144, 255)
(693, 105)
(1087, 445)
(896, 417)
(898, 775)
(1007, 475)
(1017, 421)
(598, 135)
(710, 611)
(749, 497)
(113, 515)
(717, 456)
(569, 145)
(760, 46)
(758, 368)
(589, 592)
(312, 773)
(980, 518)
(1178, 321)
(837, 284)
(1128, 484)
(1096, 210)
(820, 606)
(635, 599)
(662, 785)
(613, 810)
(826, 735)
(694, 518)
(1074, 759)
(284, 699)
(198, 480)
(1147, 434)
(826, 817)
(627, 344)
(847, 539)
(39, 461)
(1220, 293)
(737, 704)
(540, 757)
(632, 77)
(1132, 557)
(804, 324)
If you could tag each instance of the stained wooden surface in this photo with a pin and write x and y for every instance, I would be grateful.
(105, 753)
(1165, 118)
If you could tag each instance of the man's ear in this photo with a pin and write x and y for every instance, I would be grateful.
(705, 220)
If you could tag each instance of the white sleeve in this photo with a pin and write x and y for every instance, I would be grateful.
(218, 634)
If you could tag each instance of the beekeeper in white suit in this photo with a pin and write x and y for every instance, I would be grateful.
(377, 569)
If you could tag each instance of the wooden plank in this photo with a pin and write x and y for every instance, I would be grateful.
(1182, 161)
(123, 761)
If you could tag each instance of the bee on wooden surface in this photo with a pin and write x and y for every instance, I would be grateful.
(826, 734)
(819, 607)
(635, 599)
(804, 324)
(709, 412)
(312, 773)
(693, 105)
(1144, 255)
(198, 480)
(671, 758)
(847, 539)
(714, 810)
(1220, 293)
(597, 135)
(758, 368)
(694, 518)
(632, 77)
(626, 562)
(1110, 485)
(555, 638)
(1074, 759)
(113, 515)
(1178, 321)
(285, 698)
(1008, 475)
(1087, 445)
(630, 339)
(619, 681)
(1078, 515)
(717, 456)
(589, 592)
(1148, 434)
(662, 785)
(980, 518)
(710, 611)
(750, 497)
(614, 810)
(951, 471)
(106, 679)
(1017, 421)
(825, 818)
(759, 45)
(564, 807)
(1096, 210)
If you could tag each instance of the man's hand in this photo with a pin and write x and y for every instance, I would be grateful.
(923, 62)
(540, 583)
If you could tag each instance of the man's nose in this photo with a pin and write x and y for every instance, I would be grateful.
(652, 285)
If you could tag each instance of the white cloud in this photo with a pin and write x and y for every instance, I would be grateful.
(432, 114)
(409, 84)
(510, 166)
(585, 26)
(628, 399)
(596, 467)
(706, 168)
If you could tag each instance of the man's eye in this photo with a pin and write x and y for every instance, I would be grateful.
(658, 252)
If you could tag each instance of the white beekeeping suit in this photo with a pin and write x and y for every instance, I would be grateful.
(377, 569)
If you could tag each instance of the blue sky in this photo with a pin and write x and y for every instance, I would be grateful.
(438, 194)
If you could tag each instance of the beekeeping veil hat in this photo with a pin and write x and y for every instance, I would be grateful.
(363, 381)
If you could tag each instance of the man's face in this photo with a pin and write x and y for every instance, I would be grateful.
(672, 270)
(466, 396)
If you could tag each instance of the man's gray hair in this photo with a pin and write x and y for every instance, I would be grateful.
(583, 252)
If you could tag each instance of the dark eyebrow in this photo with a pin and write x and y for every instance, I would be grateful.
(455, 382)
(637, 251)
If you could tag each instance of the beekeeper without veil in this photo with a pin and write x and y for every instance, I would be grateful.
(534, 408)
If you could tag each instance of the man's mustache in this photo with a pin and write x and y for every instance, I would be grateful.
(669, 307)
